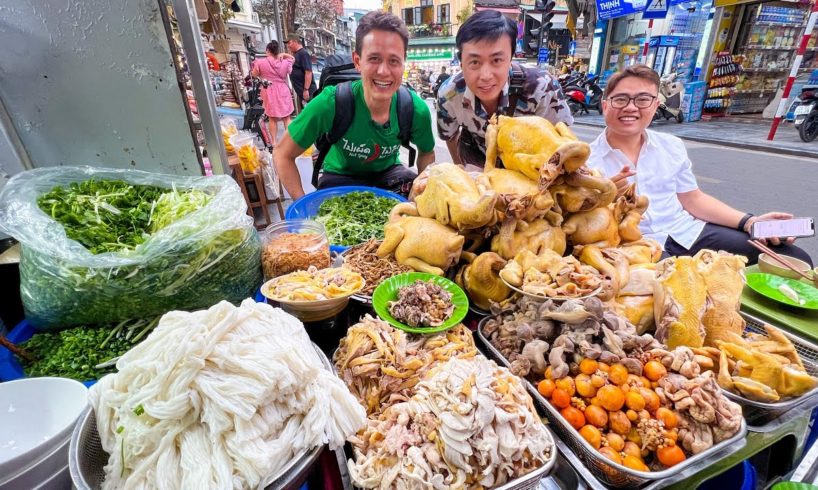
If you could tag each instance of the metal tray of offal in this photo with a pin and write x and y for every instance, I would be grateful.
(759, 413)
(529, 481)
(605, 470)
(87, 459)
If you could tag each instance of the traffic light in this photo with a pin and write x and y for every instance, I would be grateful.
(537, 37)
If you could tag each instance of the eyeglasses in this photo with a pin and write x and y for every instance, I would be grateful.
(642, 101)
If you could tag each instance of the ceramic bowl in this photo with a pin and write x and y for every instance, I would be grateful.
(36, 415)
(768, 265)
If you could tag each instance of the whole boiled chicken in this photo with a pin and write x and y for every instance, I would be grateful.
(680, 300)
(454, 198)
(480, 277)
(722, 274)
(535, 147)
(423, 244)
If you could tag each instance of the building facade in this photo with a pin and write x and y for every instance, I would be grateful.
(432, 26)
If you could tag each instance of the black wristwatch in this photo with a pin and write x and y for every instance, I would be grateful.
(743, 221)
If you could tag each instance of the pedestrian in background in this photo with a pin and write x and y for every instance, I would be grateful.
(301, 76)
(276, 97)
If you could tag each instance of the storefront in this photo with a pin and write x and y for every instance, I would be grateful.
(762, 38)
(429, 57)
(674, 43)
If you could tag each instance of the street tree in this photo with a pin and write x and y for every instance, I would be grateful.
(295, 13)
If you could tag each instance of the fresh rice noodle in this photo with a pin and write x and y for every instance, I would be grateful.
(230, 395)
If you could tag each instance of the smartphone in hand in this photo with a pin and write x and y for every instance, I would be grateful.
(782, 228)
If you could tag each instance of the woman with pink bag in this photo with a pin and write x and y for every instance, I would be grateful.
(278, 102)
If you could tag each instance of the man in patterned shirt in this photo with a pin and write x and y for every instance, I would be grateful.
(485, 46)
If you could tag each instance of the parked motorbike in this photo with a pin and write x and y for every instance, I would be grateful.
(426, 91)
(670, 99)
(582, 93)
(255, 119)
(806, 116)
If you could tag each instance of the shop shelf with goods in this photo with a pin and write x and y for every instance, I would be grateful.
(722, 87)
(768, 44)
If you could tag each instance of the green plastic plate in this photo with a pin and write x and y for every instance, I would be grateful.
(388, 291)
(767, 285)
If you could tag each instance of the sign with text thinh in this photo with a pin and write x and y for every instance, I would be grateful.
(656, 9)
(609, 9)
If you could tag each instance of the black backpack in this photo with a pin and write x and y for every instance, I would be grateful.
(338, 68)
(338, 72)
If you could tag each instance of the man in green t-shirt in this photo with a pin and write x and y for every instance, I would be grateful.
(368, 153)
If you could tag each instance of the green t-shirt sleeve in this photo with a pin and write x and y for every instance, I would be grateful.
(422, 134)
(314, 120)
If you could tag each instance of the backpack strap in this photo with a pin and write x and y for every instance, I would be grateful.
(515, 87)
(406, 114)
(344, 112)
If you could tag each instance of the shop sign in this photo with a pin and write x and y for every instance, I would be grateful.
(664, 41)
(542, 56)
(656, 9)
(609, 9)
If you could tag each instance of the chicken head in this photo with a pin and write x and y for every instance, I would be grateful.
(519, 197)
(535, 147)
(582, 190)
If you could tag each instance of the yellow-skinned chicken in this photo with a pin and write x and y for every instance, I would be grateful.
(537, 236)
(535, 147)
(420, 243)
(480, 278)
(722, 274)
(582, 190)
(454, 198)
(680, 299)
(519, 197)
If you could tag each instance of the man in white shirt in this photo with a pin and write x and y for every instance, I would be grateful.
(681, 217)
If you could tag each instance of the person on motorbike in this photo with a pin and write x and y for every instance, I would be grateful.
(681, 217)
(368, 152)
(440, 80)
(485, 45)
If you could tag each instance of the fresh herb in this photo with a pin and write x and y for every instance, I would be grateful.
(354, 218)
(194, 272)
(174, 205)
(206, 260)
(103, 215)
(139, 410)
(83, 353)
(120, 429)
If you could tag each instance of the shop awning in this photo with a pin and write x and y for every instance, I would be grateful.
(430, 54)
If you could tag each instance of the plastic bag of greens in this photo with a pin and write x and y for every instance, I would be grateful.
(105, 245)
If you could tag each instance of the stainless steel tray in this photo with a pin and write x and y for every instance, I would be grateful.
(759, 413)
(529, 481)
(87, 459)
(602, 468)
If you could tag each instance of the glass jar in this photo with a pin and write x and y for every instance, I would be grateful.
(294, 245)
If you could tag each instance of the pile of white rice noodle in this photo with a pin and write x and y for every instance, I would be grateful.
(220, 398)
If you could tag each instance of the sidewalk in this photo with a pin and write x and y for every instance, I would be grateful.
(738, 134)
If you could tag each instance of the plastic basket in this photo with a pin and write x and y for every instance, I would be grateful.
(307, 206)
